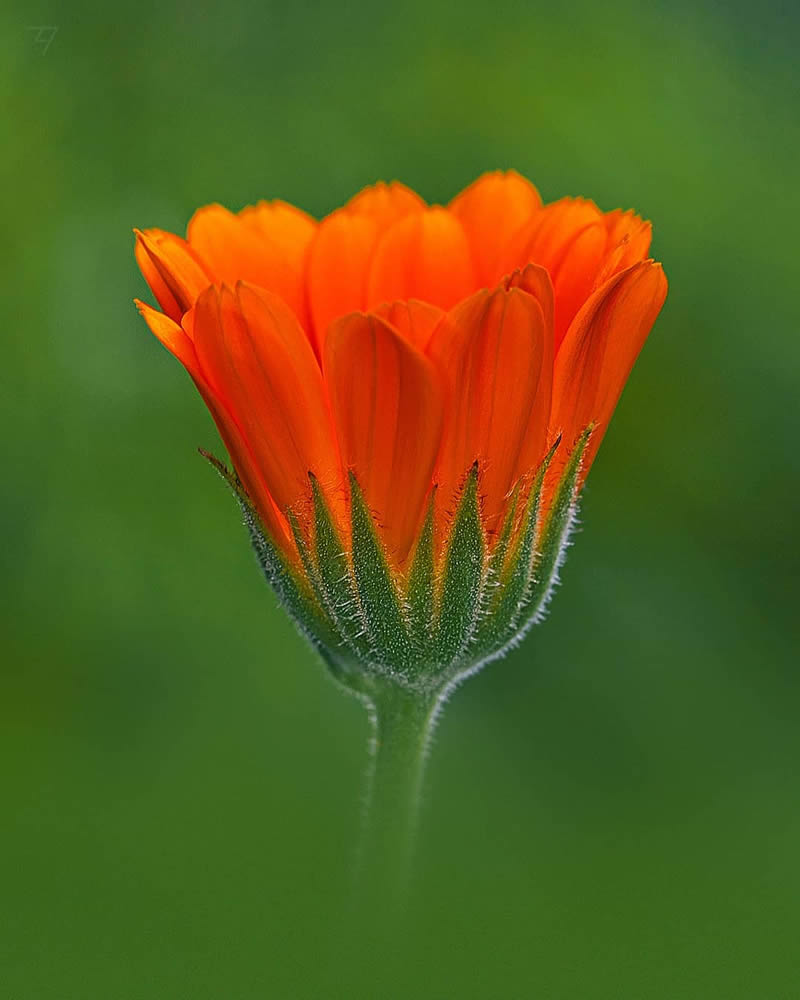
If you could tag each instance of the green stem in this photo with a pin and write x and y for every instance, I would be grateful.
(401, 721)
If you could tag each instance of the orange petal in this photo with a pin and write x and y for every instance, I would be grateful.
(599, 350)
(492, 209)
(386, 203)
(178, 341)
(337, 268)
(171, 335)
(553, 229)
(342, 252)
(414, 319)
(246, 467)
(288, 228)
(575, 275)
(173, 270)
(236, 249)
(286, 233)
(158, 286)
(387, 406)
(569, 239)
(258, 360)
(628, 242)
(535, 281)
(231, 248)
(423, 256)
(492, 354)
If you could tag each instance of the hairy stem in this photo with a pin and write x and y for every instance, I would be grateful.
(401, 722)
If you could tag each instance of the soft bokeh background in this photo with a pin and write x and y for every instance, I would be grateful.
(613, 811)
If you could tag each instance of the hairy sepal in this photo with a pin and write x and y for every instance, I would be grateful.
(512, 582)
(336, 581)
(552, 541)
(463, 580)
(293, 592)
(383, 611)
(421, 591)
(451, 615)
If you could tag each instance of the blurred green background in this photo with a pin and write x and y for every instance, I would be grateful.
(612, 812)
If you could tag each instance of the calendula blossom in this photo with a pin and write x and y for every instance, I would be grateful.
(411, 397)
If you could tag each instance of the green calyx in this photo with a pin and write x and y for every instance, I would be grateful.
(446, 617)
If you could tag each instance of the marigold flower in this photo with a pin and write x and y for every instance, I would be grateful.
(411, 397)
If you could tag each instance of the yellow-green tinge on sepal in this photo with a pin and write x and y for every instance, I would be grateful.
(441, 623)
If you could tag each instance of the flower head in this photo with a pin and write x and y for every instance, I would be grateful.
(411, 397)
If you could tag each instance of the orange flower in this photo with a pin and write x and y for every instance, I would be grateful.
(403, 341)
(394, 345)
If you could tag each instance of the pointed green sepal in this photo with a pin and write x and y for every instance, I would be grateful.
(497, 560)
(421, 591)
(553, 539)
(380, 601)
(297, 599)
(500, 622)
(306, 558)
(336, 582)
(462, 579)
(452, 614)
